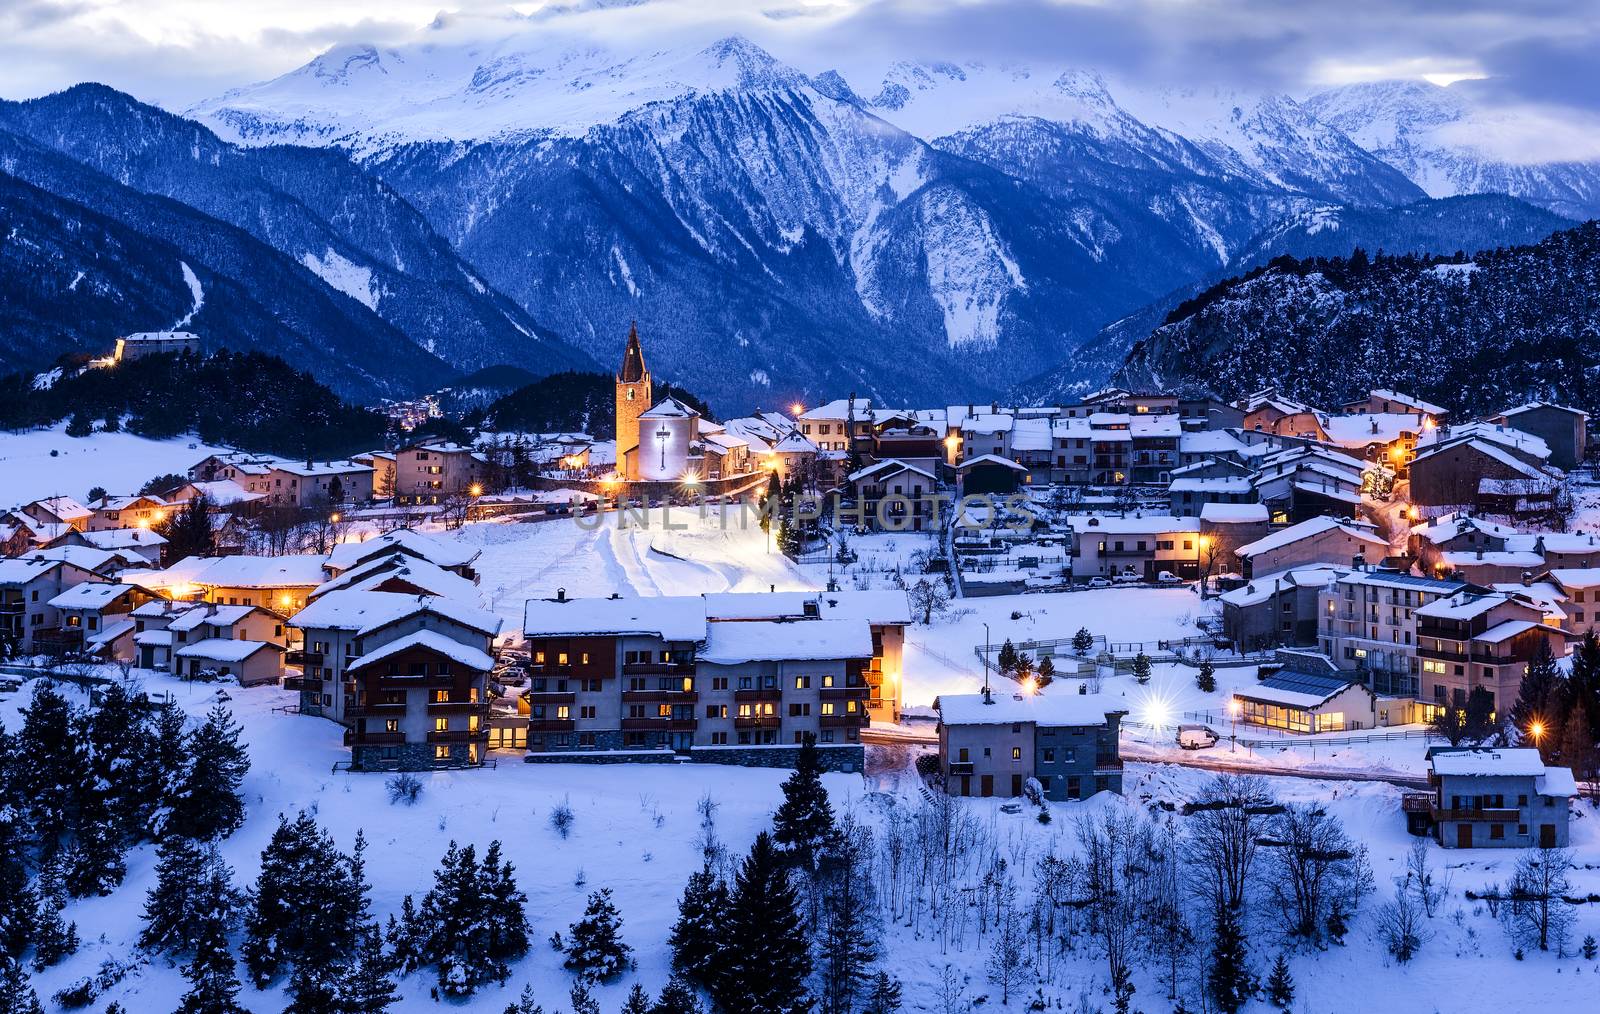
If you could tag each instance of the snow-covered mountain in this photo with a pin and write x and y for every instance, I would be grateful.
(1448, 145)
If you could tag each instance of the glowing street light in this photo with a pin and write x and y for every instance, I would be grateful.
(1030, 686)
(1234, 708)
(1536, 730)
(796, 408)
(476, 489)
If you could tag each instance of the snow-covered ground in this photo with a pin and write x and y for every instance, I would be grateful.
(46, 462)
(636, 830)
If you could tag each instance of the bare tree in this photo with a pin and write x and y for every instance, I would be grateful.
(1171, 938)
(1221, 835)
(929, 597)
(1008, 965)
(1400, 923)
(951, 992)
(1117, 846)
(1535, 911)
(1431, 889)
(1313, 865)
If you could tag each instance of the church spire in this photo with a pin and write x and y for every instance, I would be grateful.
(633, 370)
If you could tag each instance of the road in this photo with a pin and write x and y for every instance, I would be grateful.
(1210, 761)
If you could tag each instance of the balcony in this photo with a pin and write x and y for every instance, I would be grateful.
(764, 694)
(367, 737)
(302, 683)
(658, 724)
(660, 696)
(550, 697)
(460, 736)
(374, 710)
(856, 721)
(550, 725)
(658, 668)
(1491, 814)
(398, 681)
(756, 721)
(859, 693)
(457, 707)
(960, 767)
(302, 658)
(1108, 763)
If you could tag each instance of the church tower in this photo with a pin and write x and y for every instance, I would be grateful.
(633, 400)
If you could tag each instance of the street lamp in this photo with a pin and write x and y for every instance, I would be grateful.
(986, 646)
(1205, 575)
(1536, 730)
(1233, 713)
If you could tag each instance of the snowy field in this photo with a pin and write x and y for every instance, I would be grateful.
(636, 830)
(46, 462)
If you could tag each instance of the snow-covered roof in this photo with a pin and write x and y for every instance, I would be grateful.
(121, 503)
(723, 440)
(207, 613)
(1053, 707)
(1487, 432)
(162, 636)
(839, 408)
(1510, 761)
(1307, 529)
(111, 539)
(224, 492)
(222, 649)
(1506, 558)
(795, 443)
(669, 617)
(1462, 606)
(1576, 577)
(879, 607)
(421, 574)
(108, 633)
(1532, 405)
(731, 642)
(1369, 428)
(1212, 484)
(885, 468)
(1511, 628)
(441, 552)
(364, 611)
(83, 557)
(154, 337)
(1210, 442)
(263, 572)
(473, 658)
(90, 595)
(1234, 513)
(987, 423)
(319, 468)
(1567, 543)
(1148, 524)
(1031, 435)
(63, 507)
(990, 459)
(1427, 407)
(1260, 589)
(1443, 529)
(670, 408)
(1556, 782)
(1296, 689)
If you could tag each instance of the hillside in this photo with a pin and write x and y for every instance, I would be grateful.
(1477, 334)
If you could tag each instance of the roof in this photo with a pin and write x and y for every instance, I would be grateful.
(63, 507)
(795, 443)
(162, 636)
(364, 611)
(1556, 782)
(669, 617)
(429, 640)
(438, 551)
(670, 408)
(1447, 527)
(1511, 628)
(1511, 761)
(161, 336)
(215, 615)
(1211, 484)
(887, 467)
(1495, 433)
(1296, 688)
(263, 572)
(19, 572)
(1262, 588)
(222, 649)
(987, 422)
(83, 557)
(1305, 530)
(633, 368)
(1489, 558)
(1374, 427)
(1534, 405)
(1148, 524)
(731, 642)
(989, 459)
(90, 595)
(111, 631)
(419, 573)
(1576, 577)
(839, 408)
(1405, 399)
(123, 538)
(1060, 707)
(1234, 513)
(1382, 578)
(224, 492)
(880, 607)
(1462, 606)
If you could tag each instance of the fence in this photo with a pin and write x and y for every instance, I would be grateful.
(1292, 740)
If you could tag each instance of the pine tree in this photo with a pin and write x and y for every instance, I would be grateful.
(505, 924)
(1205, 680)
(583, 1002)
(1082, 641)
(452, 914)
(366, 986)
(594, 943)
(213, 984)
(1541, 701)
(208, 804)
(18, 903)
(308, 908)
(803, 826)
(119, 729)
(884, 997)
(54, 937)
(1583, 681)
(676, 998)
(524, 1004)
(1577, 746)
(765, 972)
(407, 938)
(94, 864)
(1046, 674)
(1229, 977)
(188, 532)
(163, 767)
(16, 993)
(48, 755)
(1590, 949)
(1006, 660)
(697, 937)
(638, 1001)
(169, 911)
(848, 945)
(1280, 987)
(1141, 668)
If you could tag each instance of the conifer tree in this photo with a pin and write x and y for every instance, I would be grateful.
(1046, 674)
(848, 945)
(307, 908)
(804, 827)
(1229, 976)
(1141, 668)
(698, 936)
(18, 903)
(505, 919)
(1541, 701)
(1006, 660)
(1583, 681)
(213, 984)
(594, 943)
(1205, 680)
(583, 1002)
(884, 996)
(451, 914)
(1589, 949)
(1082, 641)
(47, 756)
(524, 1004)
(407, 938)
(163, 767)
(54, 937)
(1280, 987)
(169, 908)
(766, 972)
(119, 729)
(188, 532)
(638, 1001)
(93, 862)
(16, 993)
(676, 998)
(208, 804)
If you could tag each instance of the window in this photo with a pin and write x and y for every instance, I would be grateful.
(441, 725)
(802, 682)
(561, 658)
(827, 707)
(586, 711)
(799, 710)
(441, 697)
(1049, 756)
(563, 712)
(719, 682)
(716, 711)
(391, 725)
(441, 752)
(1016, 753)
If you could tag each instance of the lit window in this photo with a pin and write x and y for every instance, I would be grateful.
(563, 712)
(441, 725)
(1016, 753)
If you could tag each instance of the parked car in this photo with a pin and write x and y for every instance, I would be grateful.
(1196, 737)
(1168, 577)
(1099, 582)
(1128, 577)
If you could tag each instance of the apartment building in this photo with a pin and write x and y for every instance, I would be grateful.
(1141, 545)
(433, 471)
(407, 674)
(715, 678)
(1476, 638)
(994, 743)
(1369, 624)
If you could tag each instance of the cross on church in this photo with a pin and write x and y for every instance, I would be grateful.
(662, 436)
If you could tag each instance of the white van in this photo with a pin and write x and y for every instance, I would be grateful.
(1196, 737)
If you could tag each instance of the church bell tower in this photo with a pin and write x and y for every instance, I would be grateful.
(633, 400)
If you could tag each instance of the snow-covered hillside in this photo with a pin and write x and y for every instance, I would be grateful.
(46, 462)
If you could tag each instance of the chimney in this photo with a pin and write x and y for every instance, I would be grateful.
(561, 595)
(1527, 578)
(1359, 561)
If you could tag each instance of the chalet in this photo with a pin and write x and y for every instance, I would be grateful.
(1209, 481)
(1277, 610)
(136, 546)
(1580, 590)
(795, 455)
(895, 496)
(445, 554)
(1387, 438)
(1301, 483)
(397, 571)
(58, 510)
(27, 587)
(1224, 527)
(1452, 462)
(903, 436)
(989, 473)
(113, 512)
(994, 744)
(1497, 798)
(96, 618)
(1314, 541)
(1564, 430)
(1384, 402)
(1472, 639)
(1267, 412)
(434, 471)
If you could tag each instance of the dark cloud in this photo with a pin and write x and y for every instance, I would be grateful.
(1545, 71)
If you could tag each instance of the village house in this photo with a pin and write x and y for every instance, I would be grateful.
(27, 587)
(58, 510)
(244, 642)
(1267, 412)
(1209, 481)
(994, 743)
(434, 471)
(446, 554)
(1314, 541)
(114, 512)
(1368, 624)
(1564, 430)
(1497, 798)
(895, 496)
(1384, 402)
(1580, 590)
(1224, 527)
(1471, 639)
(407, 674)
(96, 618)
(1300, 483)
(1305, 693)
(1277, 610)
(1452, 462)
(1144, 545)
(137, 546)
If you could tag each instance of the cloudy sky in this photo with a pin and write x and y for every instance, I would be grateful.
(1534, 54)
